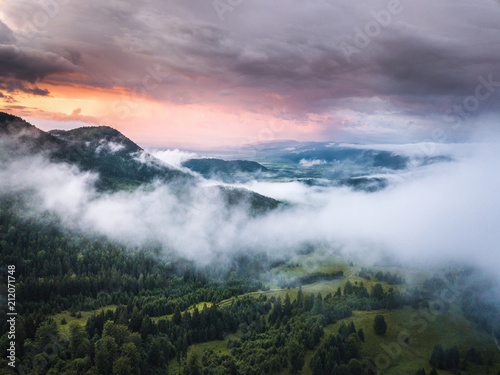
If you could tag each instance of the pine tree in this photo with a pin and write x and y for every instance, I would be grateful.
(287, 306)
(348, 288)
(380, 326)
(300, 298)
(30, 328)
(377, 292)
(355, 367)
(338, 293)
(351, 328)
(437, 357)
(276, 312)
(135, 320)
(129, 350)
(155, 357)
(106, 354)
(122, 366)
(361, 335)
(193, 363)
(177, 318)
(296, 356)
(318, 307)
(195, 319)
(453, 358)
(77, 340)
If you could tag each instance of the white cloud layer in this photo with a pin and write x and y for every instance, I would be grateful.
(443, 213)
(174, 157)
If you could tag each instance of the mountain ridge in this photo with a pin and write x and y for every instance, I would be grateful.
(119, 162)
(94, 134)
(99, 149)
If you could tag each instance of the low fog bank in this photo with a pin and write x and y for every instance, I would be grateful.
(434, 215)
(192, 221)
(438, 215)
(173, 157)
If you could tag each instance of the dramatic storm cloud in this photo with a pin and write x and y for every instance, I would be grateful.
(31, 65)
(382, 71)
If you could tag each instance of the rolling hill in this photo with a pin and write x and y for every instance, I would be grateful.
(225, 170)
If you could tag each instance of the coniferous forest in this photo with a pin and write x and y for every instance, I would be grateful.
(143, 313)
(79, 301)
(249, 187)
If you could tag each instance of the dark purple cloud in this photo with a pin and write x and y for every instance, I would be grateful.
(31, 65)
(21, 66)
(12, 86)
(417, 58)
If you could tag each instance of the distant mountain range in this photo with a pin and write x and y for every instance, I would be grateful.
(328, 152)
(375, 156)
(223, 169)
(368, 168)
(121, 163)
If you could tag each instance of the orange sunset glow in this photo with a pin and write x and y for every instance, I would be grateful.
(250, 187)
(215, 79)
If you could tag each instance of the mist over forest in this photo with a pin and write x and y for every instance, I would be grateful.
(238, 226)
(424, 214)
(258, 187)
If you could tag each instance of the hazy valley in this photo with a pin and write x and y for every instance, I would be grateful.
(311, 258)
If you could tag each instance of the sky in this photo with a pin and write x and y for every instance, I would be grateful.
(206, 74)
